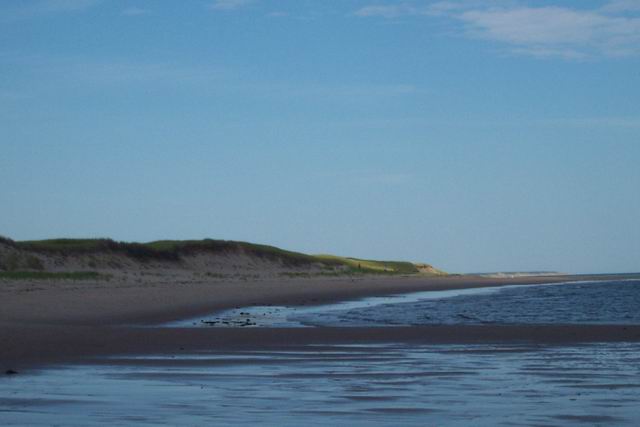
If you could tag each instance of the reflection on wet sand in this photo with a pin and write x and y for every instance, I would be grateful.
(507, 384)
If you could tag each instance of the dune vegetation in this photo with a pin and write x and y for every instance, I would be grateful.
(28, 255)
(49, 275)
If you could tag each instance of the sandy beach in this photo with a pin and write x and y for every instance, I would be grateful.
(64, 322)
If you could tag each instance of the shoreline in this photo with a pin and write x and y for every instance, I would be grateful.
(70, 323)
(154, 302)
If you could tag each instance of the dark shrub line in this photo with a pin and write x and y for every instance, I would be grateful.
(42, 275)
(168, 250)
(173, 250)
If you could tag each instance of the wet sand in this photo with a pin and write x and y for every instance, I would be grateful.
(359, 385)
(60, 322)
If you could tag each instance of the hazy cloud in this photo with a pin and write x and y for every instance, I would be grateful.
(617, 6)
(112, 73)
(555, 30)
(24, 10)
(229, 4)
(387, 11)
(546, 31)
(140, 73)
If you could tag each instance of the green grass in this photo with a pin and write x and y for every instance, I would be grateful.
(42, 275)
(372, 266)
(221, 246)
(88, 246)
(173, 250)
(164, 249)
(74, 245)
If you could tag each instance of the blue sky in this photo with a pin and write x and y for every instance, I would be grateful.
(475, 135)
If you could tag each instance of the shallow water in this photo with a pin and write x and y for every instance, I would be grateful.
(287, 317)
(595, 302)
(610, 302)
(454, 385)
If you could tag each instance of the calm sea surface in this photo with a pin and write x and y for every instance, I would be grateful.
(611, 302)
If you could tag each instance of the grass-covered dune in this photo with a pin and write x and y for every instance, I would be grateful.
(398, 267)
(162, 249)
(29, 255)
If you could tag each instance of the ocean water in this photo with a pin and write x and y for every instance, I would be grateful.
(390, 385)
(610, 302)
(594, 302)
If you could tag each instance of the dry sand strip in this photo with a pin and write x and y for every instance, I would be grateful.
(55, 323)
